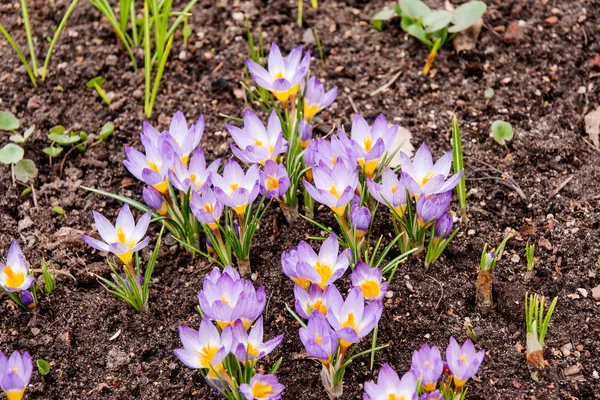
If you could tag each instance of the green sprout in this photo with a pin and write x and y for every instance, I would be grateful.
(459, 165)
(313, 3)
(96, 83)
(502, 132)
(537, 327)
(489, 259)
(49, 277)
(433, 28)
(529, 250)
(43, 367)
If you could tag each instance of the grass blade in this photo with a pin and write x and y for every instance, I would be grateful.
(459, 165)
(59, 30)
(19, 54)
(27, 25)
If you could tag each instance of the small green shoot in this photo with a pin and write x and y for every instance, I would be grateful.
(187, 30)
(43, 367)
(319, 46)
(537, 326)
(502, 132)
(489, 259)
(26, 191)
(488, 93)
(49, 277)
(58, 210)
(529, 251)
(25, 170)
(459, 165)
(96, 83)
(21, 139)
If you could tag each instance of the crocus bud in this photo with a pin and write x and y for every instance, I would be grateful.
(154, 199)
(140, 280)
(236, 228)
(360, 219)
(305, 133)
(432, 207)
(27, 299)
(443, 226)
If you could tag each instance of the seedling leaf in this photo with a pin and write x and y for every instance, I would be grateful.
(106, 131)
(383, 15)
(11, 154)
(418, 32)
(43, 367)
(467, 15)
(64, 140)
(25, 170)
(58, 129)
(414, 8)
(53, 151)
(8, 121)
(437, 20)
(502, 131)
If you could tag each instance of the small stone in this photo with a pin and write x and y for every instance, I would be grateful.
(515, 258)
(471, 232)
(138, 93)
(73, 33)
(552, 20)
(566, 349)
(253, 277)
(308, 37)
(583, 292)
(596, 293)
(581, 90)
(112, 60)
(35, 331)
(183, 55)
(34, 103)
(595, 375)
(237, 16)
(24, 224)
(209, 55)
(409, 286)
(238, 93)
(389, 294)
(570, 371)
(116, 359)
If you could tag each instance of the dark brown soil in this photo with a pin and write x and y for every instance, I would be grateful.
(537, 82)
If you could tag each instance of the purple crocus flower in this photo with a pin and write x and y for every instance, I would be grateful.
(326, 153)
(153, 167)
(443, 226)
(155, 200)
(304, 266)
(255, 143)
(124, 238)
(369, 280)
(360, 220)
(15, 374)
(27, 299)
(304, 133)
(196, 175)
(14, 276)
(274, 180)
(236, 189)
(315, 300)
(369, 144)
(432, 207)
(390, 192)
(428, 366)
(283, 76)
(182, 140)
(250, 347)
(463, 362)
(351, 319)
(205, 348)
(225, 298)
(390, 386)
(319, 339)
(421, 176)
(333, 188)
(262, 387)
(207, 208)
(315, 98)
(435, 395)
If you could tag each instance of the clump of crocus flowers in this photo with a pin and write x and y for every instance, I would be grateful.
(229, 341)
(429, 378)
(335, 325)
(15, 374)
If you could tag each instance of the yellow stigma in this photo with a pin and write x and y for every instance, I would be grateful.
(272, 183)
(252, 351)
(370, 289)
(426, 178)
(258, 143)
(208, 207)
(310, 110)
(334, 191)
(152, 166)
(206, 354)
(262, 390)
(279, 75)
(392, 396)
(15, 370)
(318, 338)
(325, 272)
(394, 188)
(234, 186)
(368, 143)
(320, 306)
(13, 279)
(463, 358)
(350, 322)
(121, 238)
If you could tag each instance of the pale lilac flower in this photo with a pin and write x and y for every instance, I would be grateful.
(255, 143)
(182, 140)
(427, 365)
(390, 386)
(369, 280)
(205, 348)
(463, 362)
(153, 167)
(262, 387)
(236, 189)
(283, 76)
(319, 339)
(351, 319)
(421, 176)
(390, 192)
(196, 175)
(315, 300)
(274, 180)
(304, 133)
(250, 346)
(327, 152)
(443, 226)
(432, 207)
(333, 188)
(206, 207)
(360, 220)
(14, 276)
(369, 144)
(225, 298)
(15, 374)
(315, 97)
(435, 395)
(155, 200)
(124, 238)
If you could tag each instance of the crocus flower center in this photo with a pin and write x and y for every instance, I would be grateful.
(392, 396)
(334, 161)
(334, 191)
(350, 322)
(234, 186)
(15, 394)
(208, 207)
(13, 279)
(206, 354)
(320, 306)
(368, 143)
(463, 358)
(426, 178)
(324, 272)
(15, 370)
(261, 390)
(193, 177)
(258, 142)
(310, 110)
(252, 351)
(394, 188)
(318, 338)
(279, 75)
(121, 235)
(152, 166)
(273, 183)
(370, 288)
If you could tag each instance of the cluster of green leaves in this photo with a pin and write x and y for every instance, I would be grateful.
(12, 154)
(529, 252)
(536, 320)
(433, 28)
(60, 139)
(32, 70)
(489, 264)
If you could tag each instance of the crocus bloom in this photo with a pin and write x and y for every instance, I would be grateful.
(262, 387)
(207, 208)
(435, 395)
(390, 387)
(369, 280)
(326, 153)
(333, 188)
(153, 167)
(236, 189)
(351, 319)
(428, 366)
(432, 207)
(315, 300)
(205, 347)
(304, 266)
(14, 276)
(155, 200)
(283, 76)
(443, 226)
(250, 347)
(182, 140)
(255, 143)
(369, 144)
(463, 362)
(225, 298)
(274, 180)
(124, 238)
(390, 192)
(315, 98)
(421, 176)
(319, 339)
(360, 220)
(27, 299)
(196, 175)
(304, 133)
(15, 373)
